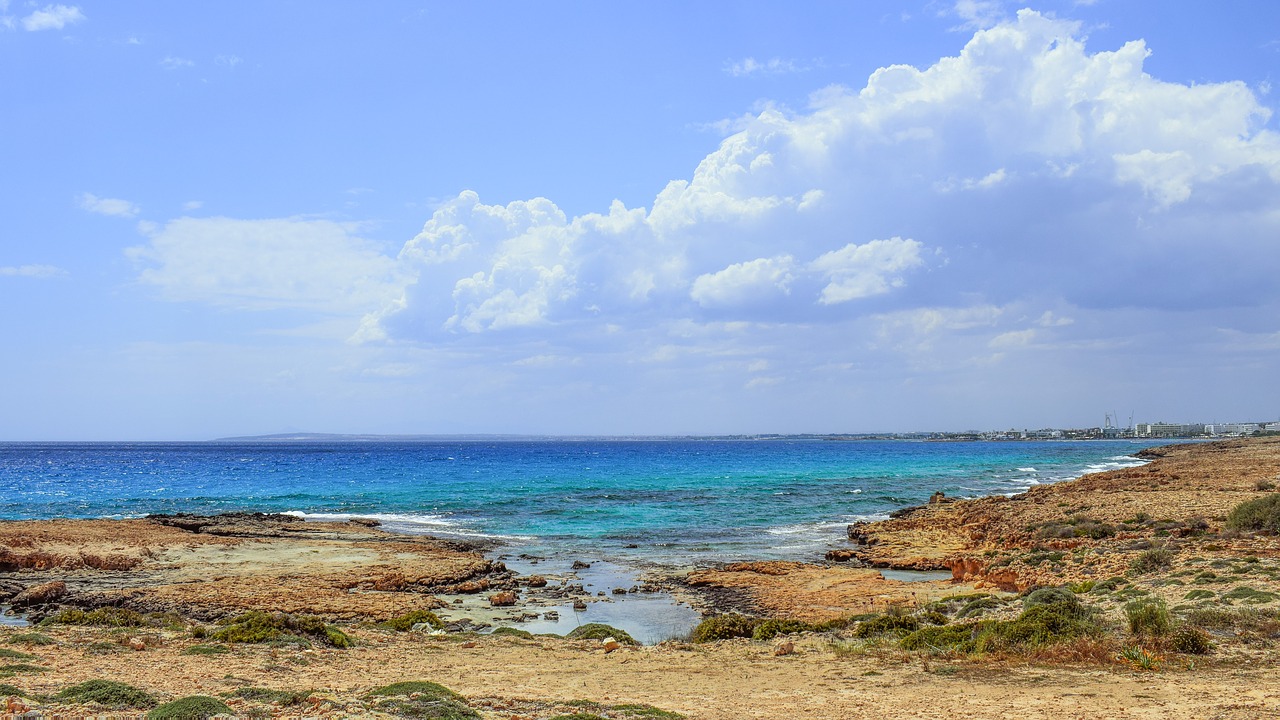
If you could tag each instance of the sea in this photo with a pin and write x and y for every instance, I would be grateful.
(674, 503)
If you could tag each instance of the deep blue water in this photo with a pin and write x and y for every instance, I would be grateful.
(679, 501)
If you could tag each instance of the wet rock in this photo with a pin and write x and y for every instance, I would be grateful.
(41, 594)
(503, 599)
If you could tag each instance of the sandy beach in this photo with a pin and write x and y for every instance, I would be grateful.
(170, 585)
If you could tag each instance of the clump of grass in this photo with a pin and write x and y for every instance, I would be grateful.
(1148, 617)
(1260, 515)
(421, 699)
(600, 631)
(1190, 640)
(285, 698)
(1249, 595)
(724, 627)
(512, 632)
(194, 707)
(20, 669)
(31, 638)
(109, 694)
(260, 627)
(206, 650)
(1152, 560)
(101, 617)
(405, 622)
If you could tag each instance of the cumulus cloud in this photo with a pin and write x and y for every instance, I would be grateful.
(113, 207)
(52, 17)
(316, 265)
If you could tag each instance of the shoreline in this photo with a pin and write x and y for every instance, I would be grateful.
(1088, 534)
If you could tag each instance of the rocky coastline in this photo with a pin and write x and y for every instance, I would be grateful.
(382, 608)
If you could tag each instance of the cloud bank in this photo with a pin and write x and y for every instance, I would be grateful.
(1022, 195)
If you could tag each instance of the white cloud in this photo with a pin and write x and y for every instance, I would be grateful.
(171, 62)
(113, 207)
(31, 271)
(316, 265)
(859, 271)
(52, 17)
(774, 66)
(756, 281)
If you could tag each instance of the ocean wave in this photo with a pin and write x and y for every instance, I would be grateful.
(409, 524)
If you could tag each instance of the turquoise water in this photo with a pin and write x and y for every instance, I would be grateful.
(668, 502)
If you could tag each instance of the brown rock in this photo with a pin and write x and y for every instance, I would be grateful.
(41, 594)
(502, 599)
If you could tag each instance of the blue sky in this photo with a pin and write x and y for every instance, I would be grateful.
(635, 218)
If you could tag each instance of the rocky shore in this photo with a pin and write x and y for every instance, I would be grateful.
(275, 617)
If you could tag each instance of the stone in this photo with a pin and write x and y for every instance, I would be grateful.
(503, 599)
(41, 594)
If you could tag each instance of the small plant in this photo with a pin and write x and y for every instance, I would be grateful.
(109, 694)
(600, 631)
(31, 638)
(207, 650)
(723, 627)
(405, 622)
(422, 699)
(284, 698)
(1190, 640)
(1148, 617)
(1261, 515)
(1140, 658)
(194, 707)
(1156, 558)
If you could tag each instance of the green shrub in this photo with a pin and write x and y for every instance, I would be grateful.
(405, 622)
(101, 617)
(260, 627)
(266, 695)
(109, 694)
(194, 707)
(429, 700)
(31, 638)
(1157, 558)
(1190, 640)
(896, 623)
(948, 638)
(1260, 515)
(600, 631)
(769, 629)
(723, 627)
(1249, 595)
(515, 632)
(207, 650)
(1148, 617)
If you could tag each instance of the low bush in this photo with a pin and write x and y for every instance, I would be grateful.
(284, 698)
(600, 631)
(724, 627)
(421, 699)
(1149, 561)
(1148, 617)
(194, 707)
(1260, 515)
(109, 694)
(405, 622)
(1190, 640)
(260, 627)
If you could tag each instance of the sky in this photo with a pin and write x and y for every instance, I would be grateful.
(586, 218)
